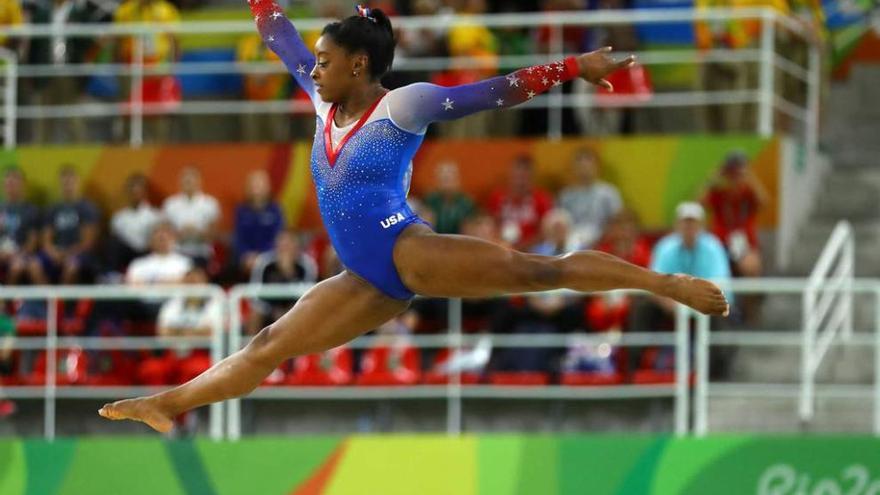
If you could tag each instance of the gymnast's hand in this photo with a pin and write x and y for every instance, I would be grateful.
(595, 66)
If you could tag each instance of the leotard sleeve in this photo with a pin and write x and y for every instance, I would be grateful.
(282, 38)
(414, 107)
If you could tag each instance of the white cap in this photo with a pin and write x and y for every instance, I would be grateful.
(690, 211)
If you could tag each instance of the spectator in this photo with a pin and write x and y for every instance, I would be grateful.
(590, 201)
(163, 265)
(195, 216)
(258, 221)
(59, 50)
(691, 251)
(450, 205)
(287, 264)
(157, 48)
(734, 198)
(727, 34)
(19, 228)
(258, 126)
(520, 208)
(183, 317)
(69, 237)
(556, 228)
(132, 227)
(10, 15)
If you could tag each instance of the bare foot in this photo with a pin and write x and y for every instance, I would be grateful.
(142, 409)
(702, 295)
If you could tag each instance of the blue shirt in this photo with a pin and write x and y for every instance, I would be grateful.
(707, 259)
(255, 230)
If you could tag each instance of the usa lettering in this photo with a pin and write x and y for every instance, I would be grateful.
(392, 220)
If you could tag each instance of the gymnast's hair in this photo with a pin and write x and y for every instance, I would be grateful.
(369, 31)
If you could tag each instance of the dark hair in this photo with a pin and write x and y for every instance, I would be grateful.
(372, 34)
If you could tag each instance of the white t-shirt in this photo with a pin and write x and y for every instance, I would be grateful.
(181, 314)
(191, 211)
(590, 208)
(158, 269)
(135, 225)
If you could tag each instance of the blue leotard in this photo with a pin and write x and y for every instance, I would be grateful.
(362, 181)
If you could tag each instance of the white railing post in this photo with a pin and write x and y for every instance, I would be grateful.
(768, 52)
(701, 390)
(682, 369)
(216, 414)
(814, 88)
(877, 361)
(805, 410)
(453, 389)
(136, 127)
(51, 367)
(233, 408)
(849, 262)
(10, 95)
(555, 112)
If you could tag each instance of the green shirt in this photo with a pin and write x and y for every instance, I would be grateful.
(450, 212)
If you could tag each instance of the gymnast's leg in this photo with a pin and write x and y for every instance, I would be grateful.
(329, 315)
(437, 265)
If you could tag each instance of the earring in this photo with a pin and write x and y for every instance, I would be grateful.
(355, 73)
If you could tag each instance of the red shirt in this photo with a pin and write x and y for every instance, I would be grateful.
(640, 254)
(527, 212)
(733, 209)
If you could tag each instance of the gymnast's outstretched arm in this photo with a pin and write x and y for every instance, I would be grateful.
(416, 106)
(281, 37)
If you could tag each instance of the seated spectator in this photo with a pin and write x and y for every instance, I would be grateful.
(556, 229)
(689, 250)
(258, 221)
(734, 198)
(132, 226)
(451, 206)
(164, 265)
(520, 207)
(609, 311)
(263, 87)
(69, 237)
(195, 215)
(19, 228)
(157, 48)
(590, 201)
(287, 264)
(183, 317)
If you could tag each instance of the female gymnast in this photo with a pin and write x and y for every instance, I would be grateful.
(361, 166)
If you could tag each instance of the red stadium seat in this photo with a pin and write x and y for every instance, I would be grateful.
(67, 324)
(632, 84)
(72, 368)
(581, 378)
(390, 366)
(112, 369)
(333, 367)
(519, 378)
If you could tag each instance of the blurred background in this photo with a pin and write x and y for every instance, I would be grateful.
(157, 211)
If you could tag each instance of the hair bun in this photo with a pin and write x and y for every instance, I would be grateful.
(381, 19)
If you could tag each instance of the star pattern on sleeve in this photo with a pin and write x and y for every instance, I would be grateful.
(513, 79)
(301, 69)
(499, 102)
(276, 15)
(448, 105)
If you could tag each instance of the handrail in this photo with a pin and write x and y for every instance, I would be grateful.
(555, 101)
(827, 285)
(10, 96)
(599, 17)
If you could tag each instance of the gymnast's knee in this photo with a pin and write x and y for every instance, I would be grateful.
(538, 273)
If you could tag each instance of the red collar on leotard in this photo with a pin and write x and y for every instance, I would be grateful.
(332, 154)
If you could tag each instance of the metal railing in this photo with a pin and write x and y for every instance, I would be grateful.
(10, 93)
(705, 339)
(764, 55)
(454, 393)
(827, 308)
(51, 343)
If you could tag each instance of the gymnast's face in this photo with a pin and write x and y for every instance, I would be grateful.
(337, 72)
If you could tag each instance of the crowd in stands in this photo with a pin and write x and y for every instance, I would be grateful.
(181, 243)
